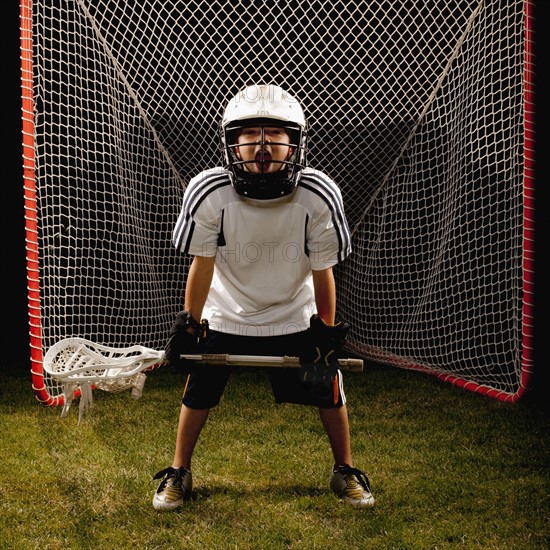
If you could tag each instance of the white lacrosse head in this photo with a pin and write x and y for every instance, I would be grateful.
(78, 363)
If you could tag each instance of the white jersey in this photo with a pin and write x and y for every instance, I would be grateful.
(265, 249)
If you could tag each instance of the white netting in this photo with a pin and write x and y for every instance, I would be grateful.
(415, 108)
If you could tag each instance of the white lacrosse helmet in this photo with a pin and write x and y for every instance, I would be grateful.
(264, 105)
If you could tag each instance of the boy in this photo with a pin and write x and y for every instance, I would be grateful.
(265, 232)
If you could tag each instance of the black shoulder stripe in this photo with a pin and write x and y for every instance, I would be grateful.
(221, 235)
(203, 188)
(191, 202)
(306, 251)
(319, 184)
(189, 237)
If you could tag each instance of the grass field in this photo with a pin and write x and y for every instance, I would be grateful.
(449, 469)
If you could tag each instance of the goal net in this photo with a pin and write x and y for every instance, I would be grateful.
(420, 111)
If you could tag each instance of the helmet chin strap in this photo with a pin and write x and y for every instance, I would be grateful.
(272, 185)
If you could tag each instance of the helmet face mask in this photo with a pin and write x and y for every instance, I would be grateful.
(263, 136)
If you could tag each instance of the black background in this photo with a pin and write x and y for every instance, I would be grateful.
(15, 328)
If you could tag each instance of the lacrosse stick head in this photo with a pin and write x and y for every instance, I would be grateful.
(77, 363)
(80, 360)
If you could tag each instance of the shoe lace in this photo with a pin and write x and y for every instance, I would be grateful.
(361, 477)
(177, 474)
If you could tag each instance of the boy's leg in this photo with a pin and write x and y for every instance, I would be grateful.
(336, 424)
(203, 390)
(190, 424)
(349, 483)
(177, 481)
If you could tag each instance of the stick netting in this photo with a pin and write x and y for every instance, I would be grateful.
(416, 109)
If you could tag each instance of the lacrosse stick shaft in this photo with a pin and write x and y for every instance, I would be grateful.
(80, 360)
(354, 365)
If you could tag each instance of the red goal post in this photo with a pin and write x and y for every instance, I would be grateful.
(422, 112)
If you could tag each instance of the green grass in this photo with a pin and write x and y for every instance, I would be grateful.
(449, 469)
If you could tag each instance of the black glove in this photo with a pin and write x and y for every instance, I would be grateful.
(319, 360)
(324, 342)
(181, 340)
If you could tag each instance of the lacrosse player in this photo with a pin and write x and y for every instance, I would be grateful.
(264, 231)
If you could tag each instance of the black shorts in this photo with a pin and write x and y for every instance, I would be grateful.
(206, 385)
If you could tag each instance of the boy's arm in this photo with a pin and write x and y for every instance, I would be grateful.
(325, 294)
(185, 331)
(325, 339)
(198, 284)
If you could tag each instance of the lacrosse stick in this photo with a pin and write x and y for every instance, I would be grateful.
(78, 362)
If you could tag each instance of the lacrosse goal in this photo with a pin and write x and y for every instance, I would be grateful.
(421, 111)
